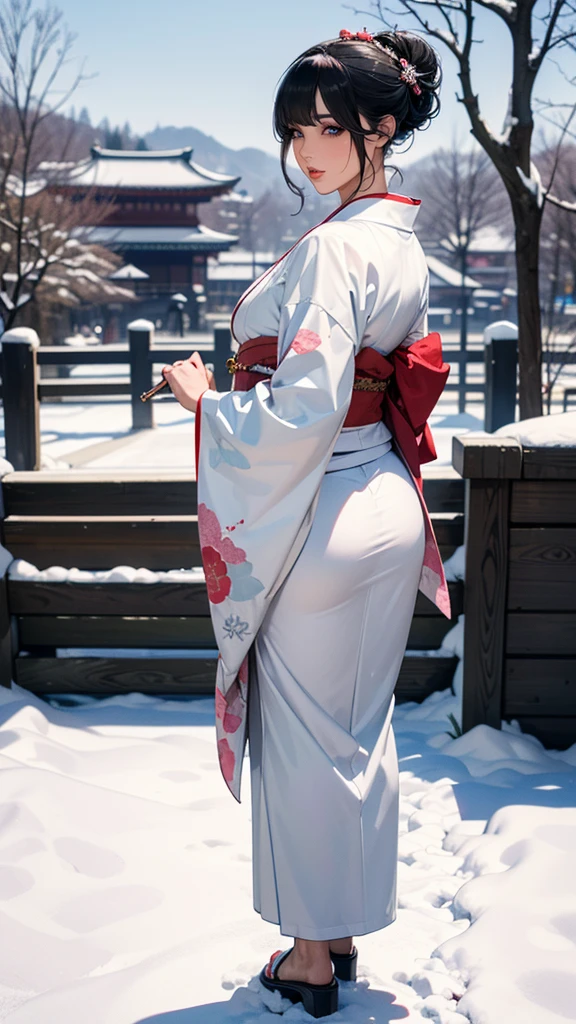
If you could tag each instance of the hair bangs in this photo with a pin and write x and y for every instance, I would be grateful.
(296, 98)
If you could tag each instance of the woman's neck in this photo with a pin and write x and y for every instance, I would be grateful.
(372, 182)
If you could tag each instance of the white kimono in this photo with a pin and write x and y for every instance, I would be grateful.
(313, 543)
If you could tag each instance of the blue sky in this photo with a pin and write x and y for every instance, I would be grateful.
(215, 66)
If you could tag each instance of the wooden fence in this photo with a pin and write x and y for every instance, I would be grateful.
(520, 595)
(23, 388)
(97, 520)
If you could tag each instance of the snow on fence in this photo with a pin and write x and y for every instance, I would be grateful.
(91, 521)
(520, 592)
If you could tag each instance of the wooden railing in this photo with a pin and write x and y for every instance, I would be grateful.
(97, 520)
(520, 593)
(23, 389)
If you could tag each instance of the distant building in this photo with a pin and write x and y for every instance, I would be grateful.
(230, 274)
(152, 221)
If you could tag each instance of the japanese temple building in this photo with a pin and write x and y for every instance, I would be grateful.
(152, 220)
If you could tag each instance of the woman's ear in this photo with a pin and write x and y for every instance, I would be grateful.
(386, 124)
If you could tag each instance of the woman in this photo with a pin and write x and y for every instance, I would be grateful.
(313, 531)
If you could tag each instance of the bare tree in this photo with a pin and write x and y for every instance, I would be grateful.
(534, 36)
(463, 195)
(558, 264)
(42, 251)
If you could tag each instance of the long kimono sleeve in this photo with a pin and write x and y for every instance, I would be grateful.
(262, 456)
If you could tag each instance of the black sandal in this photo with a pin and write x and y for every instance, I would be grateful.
(345, 964)
(317, 1000)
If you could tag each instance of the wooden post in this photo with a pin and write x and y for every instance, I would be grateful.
(20, 398)
(222, 352)
(140, 337)
(5, 622)
(489, 465)
(6, 657)
(501, 363)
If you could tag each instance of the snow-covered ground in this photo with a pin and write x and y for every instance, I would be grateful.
(125, 874)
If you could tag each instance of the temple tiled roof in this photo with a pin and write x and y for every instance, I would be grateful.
(166, 170)
(198, 239)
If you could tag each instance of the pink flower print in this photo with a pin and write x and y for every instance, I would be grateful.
(234, 709)
(305, 341)
(208, 526)
(226, 758)
(243, 672)
(211, 534)
(221, 704)
(230, 708)
(218, 583)
(230, 553)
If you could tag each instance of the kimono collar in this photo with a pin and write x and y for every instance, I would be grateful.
(384, 208)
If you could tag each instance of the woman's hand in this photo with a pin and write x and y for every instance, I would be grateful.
(188, 379)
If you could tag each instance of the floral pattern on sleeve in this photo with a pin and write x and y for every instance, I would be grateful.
(305, 341)
(228, 572)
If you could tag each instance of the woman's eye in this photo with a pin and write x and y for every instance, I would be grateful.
(294, 133)
(333, 130)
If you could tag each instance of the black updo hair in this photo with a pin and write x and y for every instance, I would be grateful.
(359, 77)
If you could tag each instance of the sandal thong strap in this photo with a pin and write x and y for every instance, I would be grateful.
(273, 965)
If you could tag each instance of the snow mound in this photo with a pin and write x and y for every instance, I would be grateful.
(518, 955)
(557, 431)
(25, 571)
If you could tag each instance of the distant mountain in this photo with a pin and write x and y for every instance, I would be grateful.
(258, 170)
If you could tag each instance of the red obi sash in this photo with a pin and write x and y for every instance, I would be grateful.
(416, 377)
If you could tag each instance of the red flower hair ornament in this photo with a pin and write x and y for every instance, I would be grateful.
(408, 74)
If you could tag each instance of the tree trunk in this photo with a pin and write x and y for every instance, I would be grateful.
(463, 329)
(527, 221)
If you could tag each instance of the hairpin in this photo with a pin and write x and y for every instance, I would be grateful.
(408, 73)
(410, 76)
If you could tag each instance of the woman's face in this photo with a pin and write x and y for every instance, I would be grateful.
(326, 154)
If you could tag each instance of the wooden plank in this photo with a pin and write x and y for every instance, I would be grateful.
(74, 387)
(102, 676)
(99, 492)
(551, 633)
(549, 463)
(554, 733)
(418, 676)
(101, 542)
(483, 456)
(535, 501)
(157, 542)
(443, 492)
(449, 530)
(540, 686)
(542, 569)
(421, 676)
(38, 598)
(115, 631)
(105, 355)
(427, 632)
(133, 492)
(5, 635)
(485, 601)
